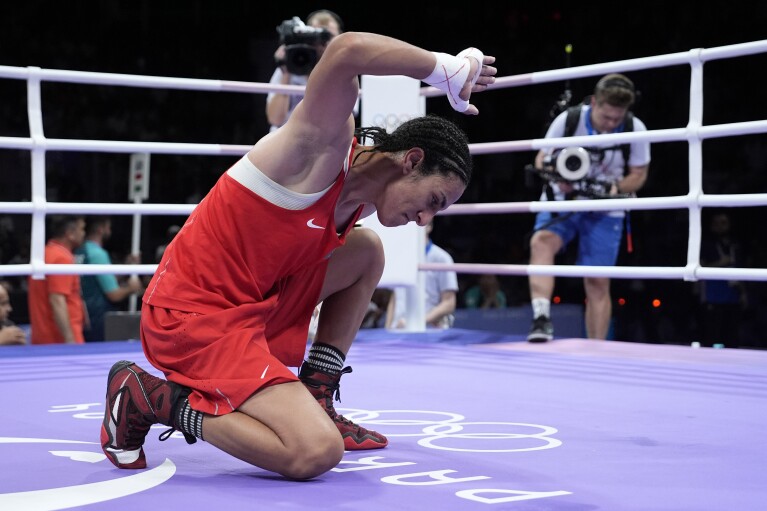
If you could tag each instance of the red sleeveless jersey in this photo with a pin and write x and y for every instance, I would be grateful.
(230, 303)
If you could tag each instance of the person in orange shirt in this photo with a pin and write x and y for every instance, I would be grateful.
(56, 310)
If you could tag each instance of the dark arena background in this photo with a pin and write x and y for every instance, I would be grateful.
(477, 418)
(236, 40)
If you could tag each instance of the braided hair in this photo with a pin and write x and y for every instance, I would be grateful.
(445, 145)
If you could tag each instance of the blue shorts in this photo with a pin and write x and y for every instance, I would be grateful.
(599, 235)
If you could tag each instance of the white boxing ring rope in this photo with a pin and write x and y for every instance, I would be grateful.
(694, 133)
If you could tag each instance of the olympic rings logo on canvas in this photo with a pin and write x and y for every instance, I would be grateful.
(450, 432)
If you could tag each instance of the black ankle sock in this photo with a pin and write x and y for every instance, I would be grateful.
(325, 358)
(189, 421)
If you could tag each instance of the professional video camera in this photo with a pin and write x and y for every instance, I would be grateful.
(300, 45)
(572, 165)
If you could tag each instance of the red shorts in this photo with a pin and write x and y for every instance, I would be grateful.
(227, 356)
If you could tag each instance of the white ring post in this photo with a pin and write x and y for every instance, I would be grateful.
(695, 154)
(35, 115)
(138, 190)
(387, 102)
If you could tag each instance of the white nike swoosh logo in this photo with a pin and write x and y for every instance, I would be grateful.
(311, 224)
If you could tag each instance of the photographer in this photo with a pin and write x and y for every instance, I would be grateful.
(300, 60)
(618, 169)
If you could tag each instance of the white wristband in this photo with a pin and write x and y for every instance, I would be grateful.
(450, 74)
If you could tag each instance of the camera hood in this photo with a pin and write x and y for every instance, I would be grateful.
(573, 163)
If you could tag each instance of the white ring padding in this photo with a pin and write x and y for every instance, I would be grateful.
(584, 163)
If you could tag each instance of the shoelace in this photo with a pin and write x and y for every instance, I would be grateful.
(190, 439)
(135, 433)
(333, 392)
(336, 387)
(340, 418)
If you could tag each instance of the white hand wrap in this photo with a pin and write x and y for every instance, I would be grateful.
(451, 72)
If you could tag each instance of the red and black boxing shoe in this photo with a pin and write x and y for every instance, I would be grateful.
(322, 387)
(135, 400)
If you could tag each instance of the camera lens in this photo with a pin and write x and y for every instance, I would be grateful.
(572, 163)
(300, 58)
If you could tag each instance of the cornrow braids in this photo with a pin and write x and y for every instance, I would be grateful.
(445, 145)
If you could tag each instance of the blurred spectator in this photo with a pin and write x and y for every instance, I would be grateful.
(10, 334)
(722, 301)
(14, 248)
(102, 293)
(441, 291)
(486, 294)
(376, 314)
(9, 245)
(56, 309)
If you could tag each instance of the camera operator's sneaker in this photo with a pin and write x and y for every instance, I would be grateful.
(322, 386)
(135, 400)
(541, 331)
